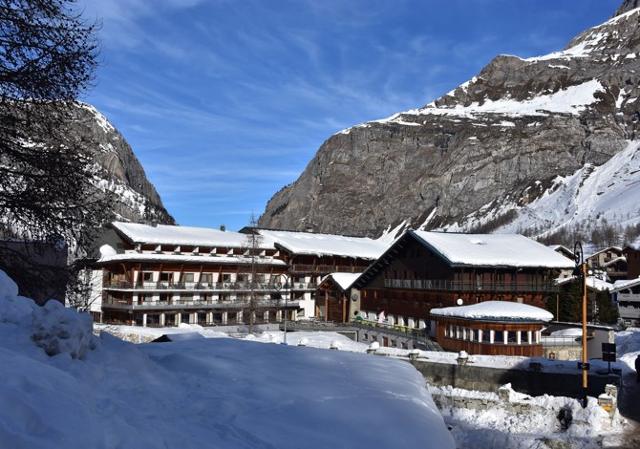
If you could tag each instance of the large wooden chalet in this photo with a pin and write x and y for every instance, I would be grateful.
(424, 270)
(312, 256)
(167, 275)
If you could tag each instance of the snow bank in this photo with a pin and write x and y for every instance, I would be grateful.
(628, 347)
(213, 393)
(52, 327)
(524, 421)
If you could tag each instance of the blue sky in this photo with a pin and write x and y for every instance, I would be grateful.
(225, 101)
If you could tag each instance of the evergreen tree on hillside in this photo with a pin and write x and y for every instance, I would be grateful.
(47, 183)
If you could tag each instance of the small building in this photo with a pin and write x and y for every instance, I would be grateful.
(610, 260)
(334, 299)
(424, 270)
(566, 252)
(491, 328)
(626, 294)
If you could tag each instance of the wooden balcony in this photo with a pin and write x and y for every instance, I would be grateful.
(458, 286)
(192, 286)
(125, 304)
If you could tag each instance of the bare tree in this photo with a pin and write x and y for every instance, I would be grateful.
(48, 191)
(253, 248)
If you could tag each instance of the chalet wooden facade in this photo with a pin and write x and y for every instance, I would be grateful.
(310, 257)
(425, 270)
(610, 260)
(334, 301)
(492, 328)
(166, 275)
(632, 256)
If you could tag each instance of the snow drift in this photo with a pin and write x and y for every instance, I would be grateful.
(214, 393)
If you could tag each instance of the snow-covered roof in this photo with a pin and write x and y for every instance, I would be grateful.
(205, 259)
(344, 280)
(615, 249)
(496, 310)
(592, 282)
(624, 284)
(185, 235)
(506, 250)
(615, 261)
(326, 244)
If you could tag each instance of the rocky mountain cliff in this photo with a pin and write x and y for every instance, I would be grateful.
(490, 148)
(134, 197)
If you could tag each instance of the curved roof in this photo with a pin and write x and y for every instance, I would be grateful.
(496, 311)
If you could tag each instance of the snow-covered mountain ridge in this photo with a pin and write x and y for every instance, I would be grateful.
(496, 143)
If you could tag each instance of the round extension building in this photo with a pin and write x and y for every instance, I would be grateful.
(491, 328)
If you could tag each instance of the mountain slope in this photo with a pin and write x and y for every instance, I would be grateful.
(502, 137)
(134, 197)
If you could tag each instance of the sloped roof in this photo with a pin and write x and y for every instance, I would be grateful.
(624, 284)
(502, 250)
(592, 282)
(343, 280)
(496, 310)
(185, 235)
(310, 243)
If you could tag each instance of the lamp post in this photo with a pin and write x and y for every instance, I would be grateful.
(581, 272)
(284, 287)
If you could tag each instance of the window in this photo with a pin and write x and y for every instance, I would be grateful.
(206, 278)
(147, 276)
(226, 277)
(499, 338)
(187, 277)
(165, 277)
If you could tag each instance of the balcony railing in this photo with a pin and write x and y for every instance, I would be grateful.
(459, 286)
(113, 303)
(192, 286)
(324, 269)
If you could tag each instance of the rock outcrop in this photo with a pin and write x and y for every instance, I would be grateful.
(134, 197)
(503, 136)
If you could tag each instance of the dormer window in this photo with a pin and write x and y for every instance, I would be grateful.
(176, 250)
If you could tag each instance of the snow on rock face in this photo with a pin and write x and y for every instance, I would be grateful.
(610, 191)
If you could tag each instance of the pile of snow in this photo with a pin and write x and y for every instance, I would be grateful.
(496, 310)
(628, 347)
(52, 327)
(214, 393)
(525, 421)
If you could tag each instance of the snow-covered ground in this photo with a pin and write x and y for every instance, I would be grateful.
(528, 422)
(63, 387)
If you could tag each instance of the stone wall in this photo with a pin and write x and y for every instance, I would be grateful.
(529, 381)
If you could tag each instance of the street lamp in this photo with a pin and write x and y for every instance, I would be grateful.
(284, 287)
(581, 272)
